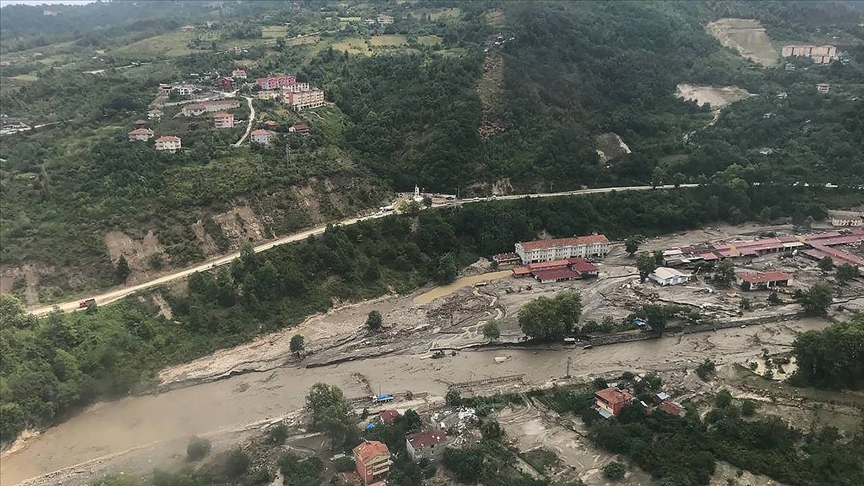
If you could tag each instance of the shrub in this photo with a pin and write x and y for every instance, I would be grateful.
(343, 464)
(279, 433)
(614, 471)
(237, 463)
(197, 449)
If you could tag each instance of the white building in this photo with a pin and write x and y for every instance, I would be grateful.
(168, 144)
(819, 54)
(823, 88)
(223, 120)
(261, 136)
(668, 276)
(312, 98)
(429, 444)
(140, 135)
(384, 19)
(154, 115)
(562, 248)
(185, 89)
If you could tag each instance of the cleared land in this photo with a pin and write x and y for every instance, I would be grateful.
(273, 31)
(748, 37)
(387, 40)
(717, 97)
(429, 40)
(174, 44)
(354, 45)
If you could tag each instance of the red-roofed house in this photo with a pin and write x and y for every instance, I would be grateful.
(372, 461)
(561, 274)
(767, 280)
(223, 120)
(168, 144)
(261, 136)
(238, 74)
(562, 248)
(271, 124)
(424, 444)
(140, 135)
(585, 268)
(388, 416)
(140, 123)
(609, 401)
(227, 82)
(299, 128)
(671, 408)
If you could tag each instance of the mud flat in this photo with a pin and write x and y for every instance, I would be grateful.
(748, 37)
(716, 96)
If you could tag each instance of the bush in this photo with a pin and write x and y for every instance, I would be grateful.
(748, 408)
(706, 370)
(197, 449)
(343, 464)
(614, 471)
(237, 463)
(453, 398)
(279, 433)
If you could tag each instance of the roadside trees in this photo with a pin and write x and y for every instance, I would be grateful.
(550, 319)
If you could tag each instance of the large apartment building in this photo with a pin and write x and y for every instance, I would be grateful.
(275, 82)
(819, 54)
(312, 98)
(562, 248)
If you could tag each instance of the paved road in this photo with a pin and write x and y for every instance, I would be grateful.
(117, 294)
(249, 124)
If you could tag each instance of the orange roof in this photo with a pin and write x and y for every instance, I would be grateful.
(671, 408)
(370, 450)
(141, 131)
(222, 114)
(614, 396)
(581, 240)
(260, 132)
(548, 265)
(168, 138)
(764, 277)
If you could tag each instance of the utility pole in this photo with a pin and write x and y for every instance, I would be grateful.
(568, 367)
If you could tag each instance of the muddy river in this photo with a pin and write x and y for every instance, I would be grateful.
(113, 427)
(457, 284)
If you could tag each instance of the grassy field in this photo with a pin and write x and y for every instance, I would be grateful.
(300, 41)
(274, 31)
(445, 13)
(353, 45)
(429, 40)
(387, 40)
(173, 44)
(27, 78)
(350, 19)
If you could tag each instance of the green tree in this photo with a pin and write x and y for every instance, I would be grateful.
(645, 264)
(331, 415)
(748, 408)
(550, 319)
(122, 270)
(831, 358)
(453, 398)
(374, 321)
(491, 331)
(427, 202)
(724, 272)
(445, 268)
(297, 344)
(706, 369)
(237, 463)
(614, 471)
(197, 449)
(826, 264)
(846, 272)
(278, 433)
(631, 245)
(816, 299)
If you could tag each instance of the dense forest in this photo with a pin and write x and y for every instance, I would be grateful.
(831, 358)
(549, 77)
(53, 365)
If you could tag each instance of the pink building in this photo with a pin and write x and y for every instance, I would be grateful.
(140, 135)
(372, 461)
(312, 98)
(223, 120)
(261, 136)
(274, 82)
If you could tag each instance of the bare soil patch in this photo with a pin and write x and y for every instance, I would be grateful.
(748, 37)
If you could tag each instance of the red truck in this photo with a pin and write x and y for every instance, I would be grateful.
(86, 303)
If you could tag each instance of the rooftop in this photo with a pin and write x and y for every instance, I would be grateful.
(671, 408)
(168, 138)
(388, 415)
(222, 114)
(764, 277)
(260, 132)
(560, 242)
(582, 266)
(664, 273)
(141, 131)
(369, 450)
(427, 438)
(556, 274)
(613, 395)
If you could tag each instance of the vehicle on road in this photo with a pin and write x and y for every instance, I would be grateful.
(86, 303)
(383, 398)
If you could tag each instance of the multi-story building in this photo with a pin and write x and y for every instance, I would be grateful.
(563, 248)
(819, 54)
(168, 144)
(238, 74)
(609, 401)
(424, 444)
(372, 461)
(185, 89)
(195, 109)
(759, 281)
(312, 98)
(274, 82)
(295, 88)
(140, 135)
(261, 136)
(223, 120)
(154, 114)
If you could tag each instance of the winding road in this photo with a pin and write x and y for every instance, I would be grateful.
(119, 293)
(249, 124)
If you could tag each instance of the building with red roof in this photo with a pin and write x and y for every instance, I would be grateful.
(372, 461)
(561, 274)
(140, 135)
(238, 74)
(261, 136)
(563, 248)
(766, 280)
(223, 120)
(584, 267)
(168, 144)
(388, 416)
(609, 401)
(671, 408)
(300, 128)
(429, 443)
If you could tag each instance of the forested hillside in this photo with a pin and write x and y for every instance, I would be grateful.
(474, 97)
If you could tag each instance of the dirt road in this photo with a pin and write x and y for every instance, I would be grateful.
(110, 428)
(249, 123)
(119, 293)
